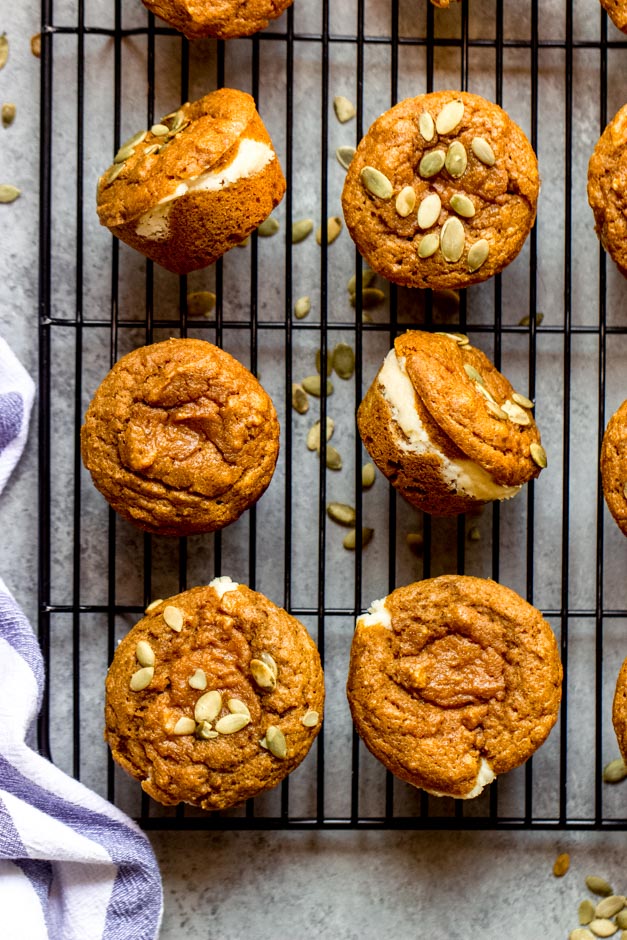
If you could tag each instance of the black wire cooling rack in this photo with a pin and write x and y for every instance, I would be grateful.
(552, 321)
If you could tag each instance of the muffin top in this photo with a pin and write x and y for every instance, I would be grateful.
(224, 19)
(442, 191)
(607, 188)
(215, 695)
(617, 11)
(453, 680)
(614, 466)
(180, 437)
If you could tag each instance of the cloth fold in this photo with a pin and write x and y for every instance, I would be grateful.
(72, 866)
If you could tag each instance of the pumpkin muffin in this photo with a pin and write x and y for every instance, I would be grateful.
(607, 189)
(213, 697)
(442, 191)
(617, 12)
(180, 438)
(452, 681)
(614, 466)
(224, 19)
(446, 428)
(194, 185)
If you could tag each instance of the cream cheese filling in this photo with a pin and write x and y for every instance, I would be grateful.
(485, 775)
(465, 477)
(250, 159)
(378, 615)
(223, 584)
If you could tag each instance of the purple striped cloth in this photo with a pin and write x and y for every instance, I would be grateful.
(72, 866)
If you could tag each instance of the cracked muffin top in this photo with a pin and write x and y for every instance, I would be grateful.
(607, 189)
(452, 681)
(617, 12)
(442, 191)
(225, 19)
(180, 437)
(614, 466)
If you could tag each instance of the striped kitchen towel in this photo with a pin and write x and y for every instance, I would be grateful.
(72, 866)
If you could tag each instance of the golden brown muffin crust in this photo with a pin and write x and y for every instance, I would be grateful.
(220, 637)
(617, 11)
(180, 437)
(619, 711)
(468, 670)
(614, 466)
(225, 19)
(504, 195)
(607, 189)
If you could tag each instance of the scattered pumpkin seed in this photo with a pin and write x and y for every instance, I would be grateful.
(114, 172)
(561, 865)
(4, 49)
(367, 278)
(237, 707)
(538, 455)
(310, 719)
(368, 475)
(483, 151)
(144, 653)
(429, 210)
(586, 912)
(141, 679)
(35, 45)
(601, 927)
(268, 227)
(426, 126)
(153, 605)
(344, 109)
(343, 361)
(495, 410)
(184, 726)
(376, 182)
(159, 130)
(301, 229)
(198, 680)
(300, 401)
(311, 384)
(342, 513)
(462, 205)
(334, 227)
(200, 303)
(516, 414)
(614, 772)
(205, 731)
(174, 618)
(334, 459)
(208, 706)
(452, 240)
(275, 740)
(405, 201)
(478, 254)
(350, 539)
(302, 307)
(610, 906)
(474, 534)
(526, 320)
(621, 919)
(8, 193)
(456, 159)
(8, 114)
(269, 661)
(262, 674)
(313, 437)
(472, 374)
(345, 155)
(123, 154)
(319, 363)
(522, 400)
(415, 542)
(580, 933)
(598, 886)
(450, 116)
(230, 724)
(428, 245)
(431, 163)
(370, 297)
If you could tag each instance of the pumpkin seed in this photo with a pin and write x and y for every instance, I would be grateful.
(522, 400)
(585, 912)
(405, 201)
(483, 151)
(474, 534)
(344, 109)
(343, 360)
(114, 172)
(184, 726)
(456, 159)
(153, 605)
(334, 459)
(516, 414)
(200, 303)
(376, 182)
(301, 229)
(8, 114)
(198, 680)
(8, 193)
(142, 678)
(123, 154)
(230, 724)
(621, 919)
(431, 163)
(428, 245)
(452, 240)
(614, 772)
(345, 155)
(610, 906)
(462, 205)
(268, 227)
(4, 50)
(310, 719)
(334, 227)
(426, 125)
(319, 363)
(237, 707)
(526, 320)
(144, 653)
(154, 148)
(580, 933)
(598, 886)
(264, 744)
(350, 539)
(601, 927)
(302, 307)
(561, 865)
(269, 661)
(313, 437)
(368, 475)
(367, 278)
(472, 373)
(275, 740)
(262, 674)
(486, 394)
(311, 384)
(300, 401)
(208, 706)
(458, 338)
(429, 210)
(538, 455)
(495, 410)
(205, 731)
(342, 513)
(449, 117)
(159, 130)
(478, 254)
(415, 542)
(174, 618)
(370, 297)
(35, 45)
